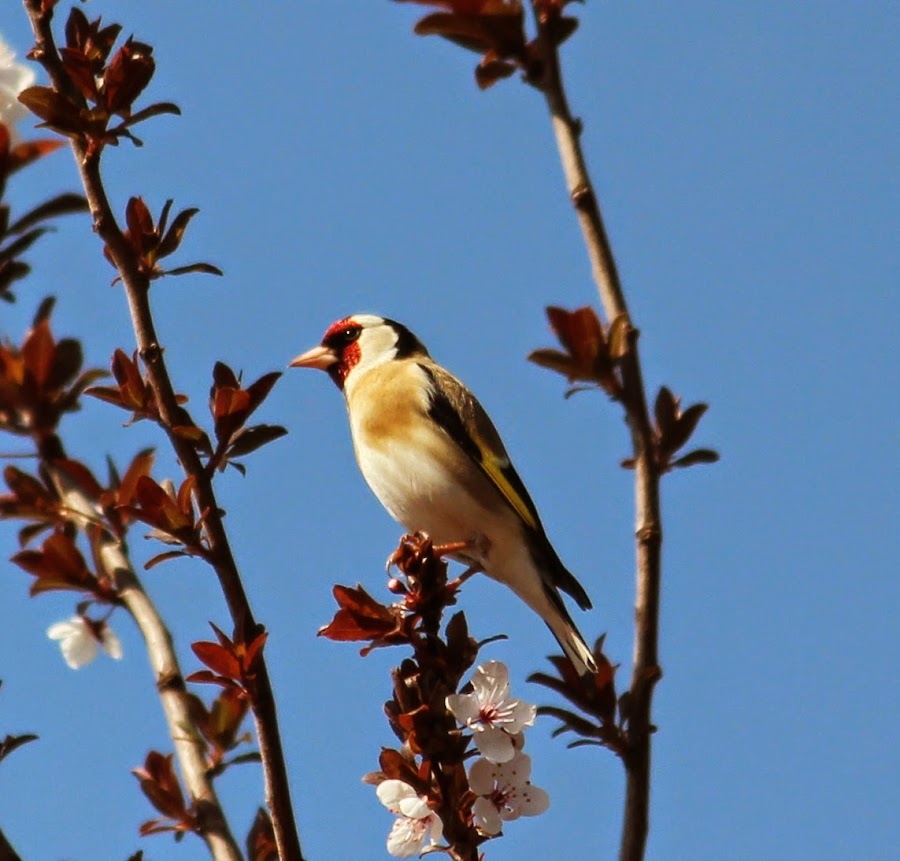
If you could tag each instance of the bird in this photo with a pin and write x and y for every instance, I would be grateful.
(433, 458)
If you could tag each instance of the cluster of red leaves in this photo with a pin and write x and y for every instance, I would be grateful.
(152, 242)
(132, 391)
(171, 514)
(595, 697)
(219, 727)
(160, 784)
(18, 235)
(432, 754)
(59, 565)
(590, 352)
(102, 87)
(40, 379)
(37, 499)
(496, 30)
(230, 406)
(424, 592)
(233, 663)
(672, 428)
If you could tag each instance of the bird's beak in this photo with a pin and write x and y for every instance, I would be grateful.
(320, 357)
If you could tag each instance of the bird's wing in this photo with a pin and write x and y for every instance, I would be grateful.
(454, 408)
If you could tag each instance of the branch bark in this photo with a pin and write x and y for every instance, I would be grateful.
(136, 286)
(648, 520)
(7, 853)
(188, 746)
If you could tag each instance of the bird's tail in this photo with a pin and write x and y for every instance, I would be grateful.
(573, 644)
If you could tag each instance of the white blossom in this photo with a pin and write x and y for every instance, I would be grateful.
(495, 719)
(79, 637)
(416, 824)
(504, 792)
(14, 77)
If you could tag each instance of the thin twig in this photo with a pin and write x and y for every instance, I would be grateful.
(648, 522)
(136, 286)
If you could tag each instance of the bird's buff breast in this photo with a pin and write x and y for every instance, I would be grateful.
(419, 475)
(419, 492)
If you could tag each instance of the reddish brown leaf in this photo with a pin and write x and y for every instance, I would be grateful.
(223, 377)
(175, 234)
(131, 384)
(81, 71)
(218, 658)
(250, 439)
(202, 268)
(261, 844)
(141, 231)
(579, 331)
(665, 411)
(61, 204)
(684, 427)
(126, 76)
(38, 352)
(700, 455)
(163, 557)
(555, 360)
(488, 72)
(260, 389)
(55, 110)
(139, 467)
(160, 785)
(81, 476)
(23, 154)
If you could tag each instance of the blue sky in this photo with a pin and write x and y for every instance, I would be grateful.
(745, 157)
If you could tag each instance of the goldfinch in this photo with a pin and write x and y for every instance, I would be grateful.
(431, 455)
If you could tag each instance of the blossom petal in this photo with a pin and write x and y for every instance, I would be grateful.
(495, 744)
(407, 837)
(491, 682)
(61, 630)
(519, 716)
(14, 77)
(487, 817)
(391, 792)
(482, 777)
(111, 643)
(76, 642)
(464, 707)
(533, 800)
(414, 808)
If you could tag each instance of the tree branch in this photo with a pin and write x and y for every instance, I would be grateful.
(136, 285)
(648, 521)
(189, 748)
(7, 853)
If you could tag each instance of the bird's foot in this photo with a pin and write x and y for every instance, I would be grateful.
(472, 552)
(452, 548)
(471, 571)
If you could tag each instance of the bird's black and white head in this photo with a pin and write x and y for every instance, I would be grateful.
(356, 344)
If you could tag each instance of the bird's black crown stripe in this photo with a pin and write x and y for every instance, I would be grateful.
(407, 343)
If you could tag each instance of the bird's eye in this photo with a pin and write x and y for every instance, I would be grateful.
(344, 337)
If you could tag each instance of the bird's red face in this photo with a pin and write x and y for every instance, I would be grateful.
(338, 353)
